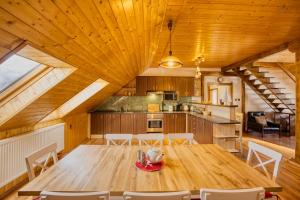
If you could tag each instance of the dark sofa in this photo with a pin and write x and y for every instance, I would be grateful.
(271, 127)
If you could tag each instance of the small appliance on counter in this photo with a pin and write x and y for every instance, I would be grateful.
(153, 107)
(170, 108)
(170, 96)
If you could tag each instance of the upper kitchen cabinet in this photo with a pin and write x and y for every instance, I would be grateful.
(151, 83)
(184, 86)
(141, 86)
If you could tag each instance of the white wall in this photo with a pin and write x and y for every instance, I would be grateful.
(236, 90)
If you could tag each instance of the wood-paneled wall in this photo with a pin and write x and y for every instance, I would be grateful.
(76, 130)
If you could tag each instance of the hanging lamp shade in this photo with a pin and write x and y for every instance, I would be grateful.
(170, 61)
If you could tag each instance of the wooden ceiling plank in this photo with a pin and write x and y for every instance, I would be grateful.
(128, 30)
(255, 57)
(109, 18)
(64, 26)
(16, 27)
(91, 12)
(38, 22)
(77, 16)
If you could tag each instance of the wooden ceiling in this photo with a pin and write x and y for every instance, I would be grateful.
(116, 40)
(227, 31)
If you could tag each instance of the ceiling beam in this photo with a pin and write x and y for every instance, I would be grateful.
(260, 55)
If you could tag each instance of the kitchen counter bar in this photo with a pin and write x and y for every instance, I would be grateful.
(213, 119)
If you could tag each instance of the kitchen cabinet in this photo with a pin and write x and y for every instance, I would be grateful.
(151, 83)
(180, 123)
(139, 123)
(126, 123)
(201, 128)
(102, 123)
(184, 86)
(174, 123)
(141, 86)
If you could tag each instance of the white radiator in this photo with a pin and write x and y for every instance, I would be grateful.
(14, 150)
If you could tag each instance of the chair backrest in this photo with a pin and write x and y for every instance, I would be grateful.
(36, 159)
(181, 138)
(182, 195)
(241, 194)
(273, 156)
(74, 195)
(114, 138)
(147, 138)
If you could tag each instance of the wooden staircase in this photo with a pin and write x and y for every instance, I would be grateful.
(264, 86)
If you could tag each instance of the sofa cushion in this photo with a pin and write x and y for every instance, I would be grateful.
(261, 120)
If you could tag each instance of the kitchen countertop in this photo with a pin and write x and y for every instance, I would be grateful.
(213, 119)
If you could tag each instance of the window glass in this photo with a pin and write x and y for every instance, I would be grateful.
(13, 69)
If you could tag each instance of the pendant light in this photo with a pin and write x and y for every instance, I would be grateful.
(170, 61)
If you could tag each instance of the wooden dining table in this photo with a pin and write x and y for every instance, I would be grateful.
(112, 168)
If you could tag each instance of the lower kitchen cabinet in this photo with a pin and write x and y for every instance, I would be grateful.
(174, 123)
(102, 123)
(126, 123)
(139, 123)
(201, 128)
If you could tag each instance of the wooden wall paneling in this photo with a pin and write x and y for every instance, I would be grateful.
(296, 49)
(76, 128)
(107, 118)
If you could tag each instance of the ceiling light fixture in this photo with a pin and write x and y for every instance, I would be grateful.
(198, 61)
(170, 61)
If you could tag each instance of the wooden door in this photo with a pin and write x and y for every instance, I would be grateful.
(159, 82)
(126, 120)
(169, 83)
(151, 83)
(97, 123)
(208, 132)
(181, 86)
(115, 122)
(107, 127)
(139, 123)
(200, 130)
(169, 123)
(141, 86)
(180, 123)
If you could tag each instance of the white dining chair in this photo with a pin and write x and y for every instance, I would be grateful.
(269, 154)
(181, 138)
(74, 195)
(180, 195)
(241, 194)
(113, 139)
(150, 139)
(239, 129)
(38, 158)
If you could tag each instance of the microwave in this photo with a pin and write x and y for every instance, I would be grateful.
(170, 96)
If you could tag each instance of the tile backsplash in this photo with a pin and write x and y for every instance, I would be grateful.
(136, 103)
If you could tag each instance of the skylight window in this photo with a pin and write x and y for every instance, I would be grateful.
(13, 69)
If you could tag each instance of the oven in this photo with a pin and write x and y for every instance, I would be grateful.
(155, 122)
